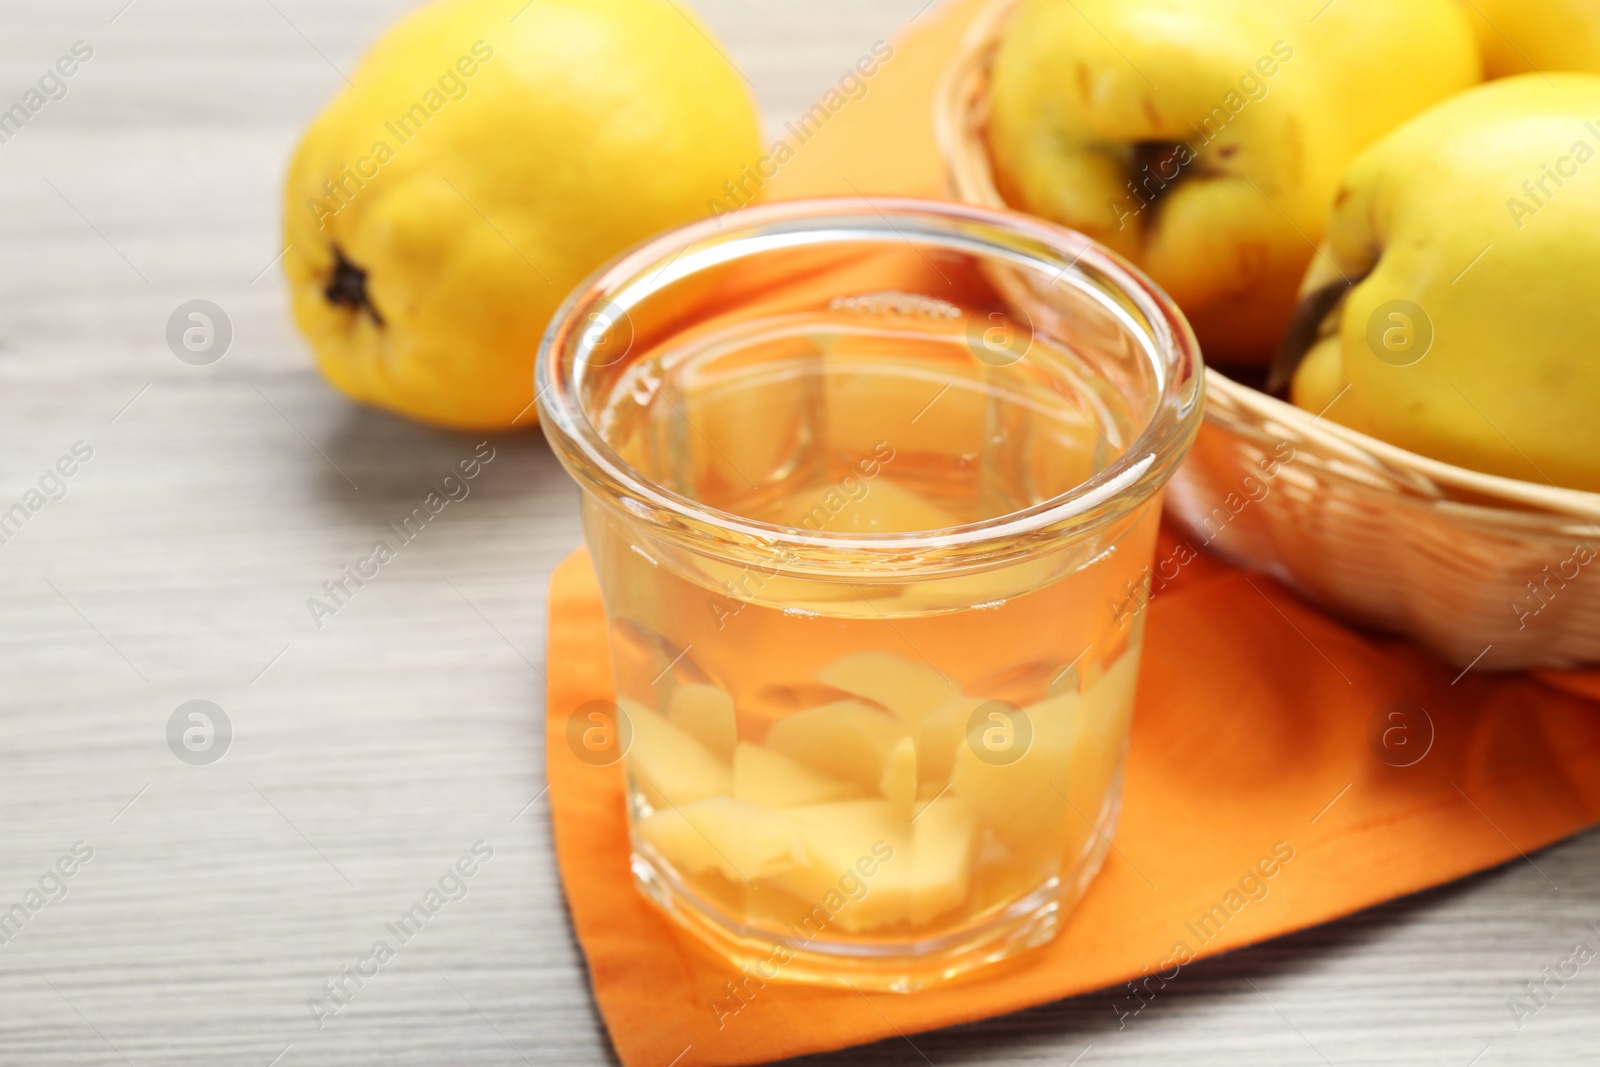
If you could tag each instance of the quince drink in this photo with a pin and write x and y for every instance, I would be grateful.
(832, 774)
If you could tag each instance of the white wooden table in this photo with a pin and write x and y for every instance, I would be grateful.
(369, 755)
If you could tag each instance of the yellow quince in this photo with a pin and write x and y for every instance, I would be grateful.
(1203, 139)
(1451, 308)
(486, 156)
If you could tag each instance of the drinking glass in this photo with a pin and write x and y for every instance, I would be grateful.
(872, 491)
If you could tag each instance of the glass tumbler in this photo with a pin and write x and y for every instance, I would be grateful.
(871, 490)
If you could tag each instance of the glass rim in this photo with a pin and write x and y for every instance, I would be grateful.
(1138, 472)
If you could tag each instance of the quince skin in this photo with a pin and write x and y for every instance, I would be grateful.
(1521, 36)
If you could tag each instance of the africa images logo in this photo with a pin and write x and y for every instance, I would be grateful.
(51, 86)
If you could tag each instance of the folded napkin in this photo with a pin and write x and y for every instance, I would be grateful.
(1285, 769)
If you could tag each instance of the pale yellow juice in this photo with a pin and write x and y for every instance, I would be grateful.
(841, 762)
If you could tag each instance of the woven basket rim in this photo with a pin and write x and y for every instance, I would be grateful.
(960, 119)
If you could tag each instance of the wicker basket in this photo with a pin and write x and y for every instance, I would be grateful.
(1487, 571)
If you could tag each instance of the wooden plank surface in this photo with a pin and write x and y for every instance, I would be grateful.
(369, 756)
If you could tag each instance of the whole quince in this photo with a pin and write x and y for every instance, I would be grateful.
(1455, 286)
(1203, 139)
(485, 157)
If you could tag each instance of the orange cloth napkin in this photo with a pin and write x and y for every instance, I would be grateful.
(1257, 747)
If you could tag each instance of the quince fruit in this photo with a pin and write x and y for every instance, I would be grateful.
(670, 765)
(772, 780)
(487, 156)
(1453, 289)
(1204, 139)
